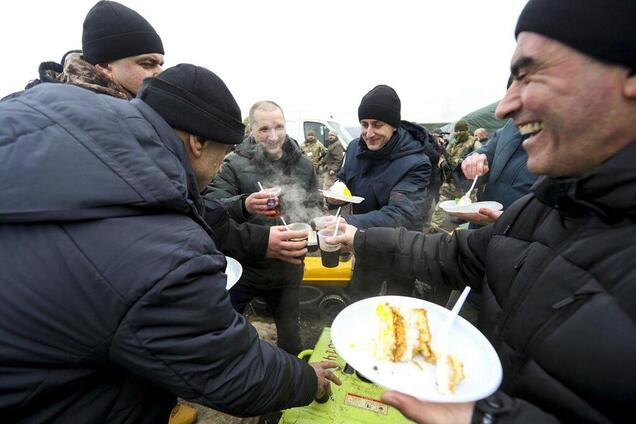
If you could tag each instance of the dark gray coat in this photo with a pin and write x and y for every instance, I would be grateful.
(508, 178)
(557, 272)
(112, 293)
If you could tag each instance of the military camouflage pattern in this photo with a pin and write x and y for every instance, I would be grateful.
(315, 151)
(83, 74)
(456, 151)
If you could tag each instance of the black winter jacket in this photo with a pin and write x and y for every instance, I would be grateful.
(393, 180)
(558, 276)
(112, 294)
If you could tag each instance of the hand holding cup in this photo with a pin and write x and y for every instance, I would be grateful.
(287, 245)
(344, 237)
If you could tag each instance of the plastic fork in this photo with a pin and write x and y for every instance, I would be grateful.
(466, 197)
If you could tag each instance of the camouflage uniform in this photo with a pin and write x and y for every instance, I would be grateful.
(450, 190)
(315, 151)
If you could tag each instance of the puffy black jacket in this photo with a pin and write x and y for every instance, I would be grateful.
(559, 297)
(393, 180)
(112, 293)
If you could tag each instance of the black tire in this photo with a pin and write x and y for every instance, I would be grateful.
(330, 306)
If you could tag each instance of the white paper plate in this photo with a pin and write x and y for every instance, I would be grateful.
(354, 333)
(234, 270)
(352, 199)
(451, 206)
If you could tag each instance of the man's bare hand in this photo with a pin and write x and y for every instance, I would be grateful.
(256, 204)
(346, 239)
(485, 216)
(279, 245)
(475, 165)
(325, 375)
(428, 412)
(335, 202)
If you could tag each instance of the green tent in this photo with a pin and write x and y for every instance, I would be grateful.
(484, 118)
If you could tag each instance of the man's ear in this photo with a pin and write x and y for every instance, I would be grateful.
(105, 68)
(629, 86)
(195, 146)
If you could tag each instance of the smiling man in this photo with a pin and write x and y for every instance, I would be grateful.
(557, 269)
(389, 167)
(270, 158)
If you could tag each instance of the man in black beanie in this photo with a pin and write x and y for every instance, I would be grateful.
(557, 270)
(120, 50)
(389, 166)
(120, 305)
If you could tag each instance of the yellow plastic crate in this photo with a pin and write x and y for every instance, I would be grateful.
(316, 273)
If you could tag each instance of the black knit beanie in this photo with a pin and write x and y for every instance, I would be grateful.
(195, 100)
(113, 31)
(603, 29)
(381, 103)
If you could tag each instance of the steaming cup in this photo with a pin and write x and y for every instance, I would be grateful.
(329, 253)
(274, 200)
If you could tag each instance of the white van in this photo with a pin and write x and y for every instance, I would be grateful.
(298, 124)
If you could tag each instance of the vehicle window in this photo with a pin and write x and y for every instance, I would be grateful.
(343, 134)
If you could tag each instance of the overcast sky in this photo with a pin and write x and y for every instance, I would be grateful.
(444, 58)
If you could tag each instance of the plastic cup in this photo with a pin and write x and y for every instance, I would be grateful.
(323, 222)
(272, 203)
(301, 226)
(329, 253)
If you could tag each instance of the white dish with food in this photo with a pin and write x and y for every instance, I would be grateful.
(356, 338)
(452, 206)
(338, 196)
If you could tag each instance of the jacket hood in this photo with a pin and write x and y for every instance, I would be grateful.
(60, 163)
(609, 190)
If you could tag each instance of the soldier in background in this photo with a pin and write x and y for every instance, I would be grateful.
(332, 162)
(314, 150)
(462, 144)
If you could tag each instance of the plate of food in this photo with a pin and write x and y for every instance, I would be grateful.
(234, 270)
(391, 341)
(456, 206)
(339, 191)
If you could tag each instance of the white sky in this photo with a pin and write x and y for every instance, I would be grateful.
(444, 58)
